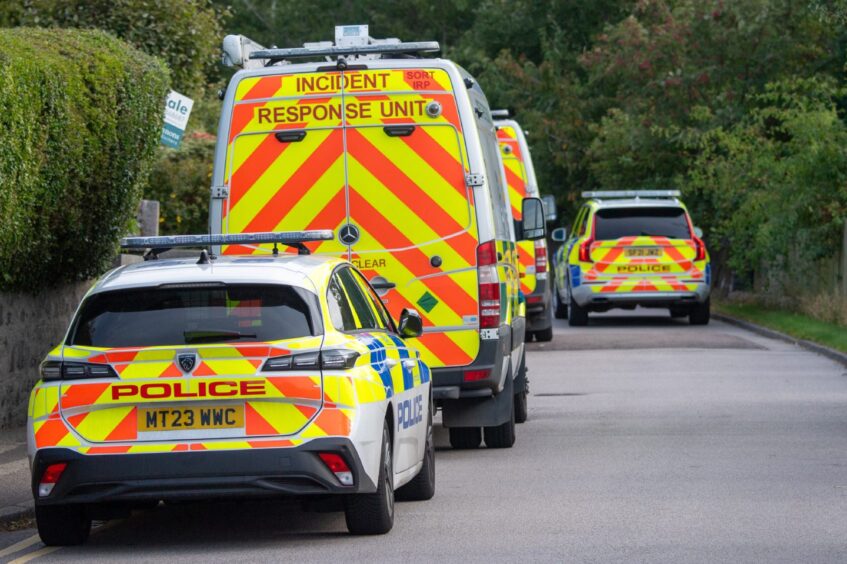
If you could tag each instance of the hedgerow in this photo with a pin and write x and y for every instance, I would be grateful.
(80, 117)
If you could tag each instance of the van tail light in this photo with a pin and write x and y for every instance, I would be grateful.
(585, 247)
(338, 466)
(50, 478)
(700, 247)
(489, 286)
(540, 256)
(475, 375)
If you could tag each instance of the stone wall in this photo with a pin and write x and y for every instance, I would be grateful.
(30, 326)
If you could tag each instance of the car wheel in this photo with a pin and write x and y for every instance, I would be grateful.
(502, 436)
(422, 486)
(544, 335)
(700, 313)
(373, 513)
(62, 525)
(465, 437)
(577, 316)
(560, 309)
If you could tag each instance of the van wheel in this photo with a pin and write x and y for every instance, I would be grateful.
(465, 437)
(422, 486)
(373, 513)
(700, 313)
(502, 436)
(578, 316)
(521, 408)
(561, 309)
(62, 525)
(545, 335)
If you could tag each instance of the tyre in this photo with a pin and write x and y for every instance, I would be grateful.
(577, 316)
(422, 486)
(502, 436)
(677, 313)
(544, 335)
(62, 525)
(521, 408)
(373, 513)
(700, 313)
(465, 437)
(560, 308)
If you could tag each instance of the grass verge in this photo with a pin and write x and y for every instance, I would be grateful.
(795, 324)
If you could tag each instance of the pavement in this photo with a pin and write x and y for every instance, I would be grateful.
(649, 440)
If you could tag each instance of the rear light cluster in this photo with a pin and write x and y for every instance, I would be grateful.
(332, 359)
(338, 466)
(585, 247)
(475, 375)
(700, 247)
(540, 258)
(489, 286)
(59, 370)
(49, 478)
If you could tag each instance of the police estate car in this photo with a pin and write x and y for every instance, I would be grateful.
(237, 377)
(632, 248)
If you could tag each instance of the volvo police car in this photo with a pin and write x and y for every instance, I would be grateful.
(230, 377)
(631, 248)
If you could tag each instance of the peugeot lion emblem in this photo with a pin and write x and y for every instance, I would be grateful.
(187, 361)
(348, 234)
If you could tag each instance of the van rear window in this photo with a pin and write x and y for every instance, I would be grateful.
(614, 223)
(185, 315)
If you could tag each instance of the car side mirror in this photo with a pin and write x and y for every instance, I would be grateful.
(532, 224)
(560, 234)
(549, 201)
(698, 232)
(411, 324)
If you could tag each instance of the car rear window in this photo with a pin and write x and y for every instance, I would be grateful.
(614, 223)
(190, 315)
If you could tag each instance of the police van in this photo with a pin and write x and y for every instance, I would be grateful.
(398, 155)
(532, 255)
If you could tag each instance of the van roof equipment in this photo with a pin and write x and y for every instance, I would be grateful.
(607, 194)
(350, 41)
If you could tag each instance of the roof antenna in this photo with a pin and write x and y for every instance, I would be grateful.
(276, 250)
(204, 257)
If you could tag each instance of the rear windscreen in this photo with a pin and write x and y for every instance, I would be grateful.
(194, 315)
(615, 223)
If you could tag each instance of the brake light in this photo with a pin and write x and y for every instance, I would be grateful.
(540, 256)
(330, 359)
(585, 247)
(338, 466)
(58, 370)
(489, 286)
(50, 477)
(700, 247)
(475, 375)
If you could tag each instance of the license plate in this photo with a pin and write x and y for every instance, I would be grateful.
(642, 252)
(184, 418)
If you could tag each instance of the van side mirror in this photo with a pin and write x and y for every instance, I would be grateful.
(549, 201)
(411, 324)
(560, 234)
(532, 224)
(698, 232)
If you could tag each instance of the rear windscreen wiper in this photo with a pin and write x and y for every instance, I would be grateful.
(215, 336)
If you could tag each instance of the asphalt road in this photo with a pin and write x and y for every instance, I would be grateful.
(648, 441)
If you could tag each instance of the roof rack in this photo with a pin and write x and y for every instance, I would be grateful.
(160, 244)
(605, 194)
(350, 41)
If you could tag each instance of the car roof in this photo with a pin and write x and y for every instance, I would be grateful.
(305, 271)
(601, 203)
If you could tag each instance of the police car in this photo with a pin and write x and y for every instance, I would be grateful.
(631, 248)
(189, 378)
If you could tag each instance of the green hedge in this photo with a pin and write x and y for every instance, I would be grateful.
(80, 117)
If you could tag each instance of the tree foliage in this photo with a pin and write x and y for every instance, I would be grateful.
(80, 116)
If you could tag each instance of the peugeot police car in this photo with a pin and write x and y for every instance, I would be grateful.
(398, 155)
(230, 377)
(631, 248)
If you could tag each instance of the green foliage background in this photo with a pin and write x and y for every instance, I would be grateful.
(80, 117)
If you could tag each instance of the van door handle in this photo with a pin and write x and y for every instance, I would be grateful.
(383, 285)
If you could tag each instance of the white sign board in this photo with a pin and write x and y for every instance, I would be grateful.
(177, 110)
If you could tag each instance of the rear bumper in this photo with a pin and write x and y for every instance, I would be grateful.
(449, 383)
(585, 297)
(538, 305)
(295, 471)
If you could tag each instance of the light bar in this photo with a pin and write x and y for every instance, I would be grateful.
(377, 49)
(501, 114)
(601, 194)
(172, 241)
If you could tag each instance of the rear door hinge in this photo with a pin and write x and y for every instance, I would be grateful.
(220, 192)
(474, 179)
